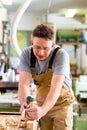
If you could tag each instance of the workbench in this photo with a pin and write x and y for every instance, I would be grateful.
(8, 96)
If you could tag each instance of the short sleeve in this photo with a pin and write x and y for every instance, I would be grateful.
(24, 64)
(61, 63)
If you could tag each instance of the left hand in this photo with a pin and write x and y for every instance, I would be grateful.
(34, 113)
(23, 106)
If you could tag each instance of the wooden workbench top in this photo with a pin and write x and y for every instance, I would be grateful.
(5, 115)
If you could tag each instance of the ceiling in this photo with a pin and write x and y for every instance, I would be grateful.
(53, 6)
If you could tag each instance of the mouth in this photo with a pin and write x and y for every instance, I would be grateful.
(40, 57)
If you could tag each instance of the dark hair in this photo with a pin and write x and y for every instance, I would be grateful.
(43, 31)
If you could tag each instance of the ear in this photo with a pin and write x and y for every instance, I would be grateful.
(53, 45)
(31, 42)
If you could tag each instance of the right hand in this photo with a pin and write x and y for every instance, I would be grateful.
(23, 106)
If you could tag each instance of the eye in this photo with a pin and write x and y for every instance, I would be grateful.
(46, 48)
(37, 47)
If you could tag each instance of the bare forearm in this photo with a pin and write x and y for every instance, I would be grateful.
(23, 86)
(53, 94)
(22, 94)
(50, 101)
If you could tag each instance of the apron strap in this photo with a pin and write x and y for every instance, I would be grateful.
(33, 59)
(52, 58)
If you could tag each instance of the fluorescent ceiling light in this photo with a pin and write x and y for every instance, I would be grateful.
(7, 2)
(71, 12)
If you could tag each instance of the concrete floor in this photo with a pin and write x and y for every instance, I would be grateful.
(80, 120)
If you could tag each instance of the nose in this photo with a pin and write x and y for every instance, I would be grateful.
(41, 52)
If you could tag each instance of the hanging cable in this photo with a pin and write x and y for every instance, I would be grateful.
(22, 8)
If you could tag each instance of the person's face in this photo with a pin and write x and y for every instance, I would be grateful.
(42, 47)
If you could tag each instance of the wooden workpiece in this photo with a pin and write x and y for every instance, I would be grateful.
(13, 122)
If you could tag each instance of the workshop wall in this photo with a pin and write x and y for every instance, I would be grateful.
(29, 21)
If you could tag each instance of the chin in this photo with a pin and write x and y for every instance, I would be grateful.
(41, 59)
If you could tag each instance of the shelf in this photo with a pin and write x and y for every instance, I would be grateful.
(70, 43)
(8, 85)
